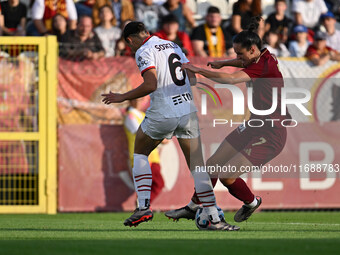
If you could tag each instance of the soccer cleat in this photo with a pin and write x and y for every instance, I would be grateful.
(138, 217)
(223, 226)
(245, 212)
(181, 213)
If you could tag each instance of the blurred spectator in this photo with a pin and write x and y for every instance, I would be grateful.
(278, 21)
(13, 18)
(158, 2)
(59, 27)
(274, 45)
(307, 12)
(84, 7)
(299, 47)
(334, 7)
(333, 35)
(182, 12)
(243, 12)
(170, 31)
(107, 33)
(83, 43)
(209, 39)
(122, 9)
(319, 53)
(44, 10)
(122, 49)
(150, 14)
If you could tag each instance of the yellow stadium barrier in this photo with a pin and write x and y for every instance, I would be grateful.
(28, 115)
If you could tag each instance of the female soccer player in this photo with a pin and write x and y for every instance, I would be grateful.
(171, 113)
(246, 146)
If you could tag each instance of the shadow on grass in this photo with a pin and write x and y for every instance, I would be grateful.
(133, 229)
(165, 247)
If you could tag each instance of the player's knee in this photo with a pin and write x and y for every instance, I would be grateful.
(211, 161)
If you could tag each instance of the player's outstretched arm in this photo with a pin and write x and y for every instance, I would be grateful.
(148, 86)
(221, 63)
(191, 77)
(219, 77)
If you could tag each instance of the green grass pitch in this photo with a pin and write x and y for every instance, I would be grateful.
(103, 233)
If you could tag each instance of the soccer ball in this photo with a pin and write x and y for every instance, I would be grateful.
(202, 218)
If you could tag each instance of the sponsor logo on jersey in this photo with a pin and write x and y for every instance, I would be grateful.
(142, 62)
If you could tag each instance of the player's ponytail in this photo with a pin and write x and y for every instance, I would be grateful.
(248, 38)
(254, 24)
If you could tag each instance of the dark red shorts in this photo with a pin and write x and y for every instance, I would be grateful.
(258, 144)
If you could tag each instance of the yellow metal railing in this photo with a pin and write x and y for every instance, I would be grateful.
(28, 81)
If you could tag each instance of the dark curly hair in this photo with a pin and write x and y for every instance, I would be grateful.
(133, 28)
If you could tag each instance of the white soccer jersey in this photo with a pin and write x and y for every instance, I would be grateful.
(173, 96)
(310, 11)
(333, 40)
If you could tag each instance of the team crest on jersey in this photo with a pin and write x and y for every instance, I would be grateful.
(142, 62)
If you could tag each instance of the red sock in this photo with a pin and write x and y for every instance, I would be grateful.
(195, 198)
(157, 181)
(240, 190)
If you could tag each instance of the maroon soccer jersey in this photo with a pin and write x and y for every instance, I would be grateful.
(265, 75)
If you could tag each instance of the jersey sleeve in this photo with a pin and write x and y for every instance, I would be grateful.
(145, 60)
(323, 7)
(236, 9)
(38, 9)
(184, 59)
(71, 10)
(296, 6)
(23, 12)
(198, 34)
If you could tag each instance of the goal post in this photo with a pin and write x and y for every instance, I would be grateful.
(28, 124)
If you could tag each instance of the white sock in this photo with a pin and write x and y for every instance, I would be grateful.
(142, 177)
(252, 204)
(193, 206)
(205, 192)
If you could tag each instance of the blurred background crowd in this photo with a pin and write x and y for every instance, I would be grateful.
(91, 29)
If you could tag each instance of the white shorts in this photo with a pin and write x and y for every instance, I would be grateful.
(185, 127)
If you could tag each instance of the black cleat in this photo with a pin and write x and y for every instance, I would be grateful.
(245, 212)
(222, 226)
(181, 213)
(138, 217)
